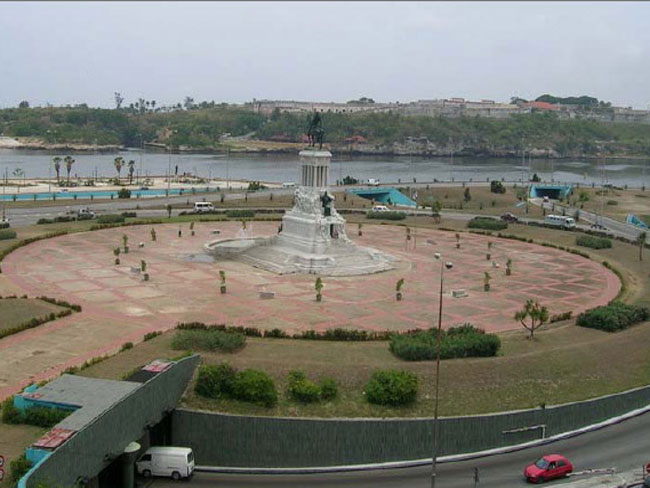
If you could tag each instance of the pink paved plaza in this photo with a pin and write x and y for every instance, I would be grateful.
(118, 306)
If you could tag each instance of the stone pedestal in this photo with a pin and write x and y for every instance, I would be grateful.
(313, 238)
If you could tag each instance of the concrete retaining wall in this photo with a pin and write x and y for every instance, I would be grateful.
(241, 441)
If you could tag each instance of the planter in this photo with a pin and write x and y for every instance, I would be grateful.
(488, 256)
(508, 271)
(126, 249)
(223, 289)
(486, 287)
(319, 298)
(398, 296)
(145, 277)
(117, 260)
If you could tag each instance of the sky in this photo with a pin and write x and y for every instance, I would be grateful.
(75, 52)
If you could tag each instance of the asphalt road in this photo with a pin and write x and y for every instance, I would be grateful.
(624, 446)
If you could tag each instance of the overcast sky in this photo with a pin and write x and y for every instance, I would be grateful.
(68, 53)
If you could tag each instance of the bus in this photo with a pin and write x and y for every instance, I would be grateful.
(560, 221)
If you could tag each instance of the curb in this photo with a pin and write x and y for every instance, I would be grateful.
(426, 461)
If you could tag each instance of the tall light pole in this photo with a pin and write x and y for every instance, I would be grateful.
(434, 457)
(169, 167)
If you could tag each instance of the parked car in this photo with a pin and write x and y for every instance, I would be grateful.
(597, 227)
(177, 462)
(380, 208)
(508, 217)
(200, 207)
(373, 182)
(85, 214)
(549, 467)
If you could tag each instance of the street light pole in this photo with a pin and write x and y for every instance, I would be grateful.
(434, 457)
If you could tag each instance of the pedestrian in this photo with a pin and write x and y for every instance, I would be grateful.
(180, 232)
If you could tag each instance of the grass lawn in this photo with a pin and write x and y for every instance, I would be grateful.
(16, 311)
(14, 439)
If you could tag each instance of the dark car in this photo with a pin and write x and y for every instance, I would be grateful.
(549, 467)
(508, 217)
(598, 227)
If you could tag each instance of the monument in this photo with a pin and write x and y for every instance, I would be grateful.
(312, 238)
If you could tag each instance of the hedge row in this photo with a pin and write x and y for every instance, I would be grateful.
(487, 223)
(5, 252)
(249, 385)
(391, 215)
(208, 340)
(240, 214)
(4, 225)
(61, 303)
(110, 219)
(6, 234)
(457, 342)
(38, 416)
(34, 322)
(613, 317)
(594, 242)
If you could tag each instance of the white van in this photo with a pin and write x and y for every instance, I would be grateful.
(177, 462)
(560, 221)
(288, 184)
(200, 207)
(380, 208)
(373, 182)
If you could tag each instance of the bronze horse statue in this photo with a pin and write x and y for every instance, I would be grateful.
(315, 131)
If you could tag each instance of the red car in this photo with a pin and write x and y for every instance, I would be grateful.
(548, 467)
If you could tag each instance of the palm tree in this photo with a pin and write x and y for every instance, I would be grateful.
(118, 162)
(640, 240)
(68, 165)
(538, 316)
(57, 166)
(131, 170)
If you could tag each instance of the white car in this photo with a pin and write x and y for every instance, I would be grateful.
(380, 208)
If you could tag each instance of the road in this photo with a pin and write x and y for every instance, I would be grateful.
(625, 446)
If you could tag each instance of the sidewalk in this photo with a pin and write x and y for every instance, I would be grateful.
(625, 479)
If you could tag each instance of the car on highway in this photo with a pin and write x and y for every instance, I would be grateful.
(597, 227)
(548, 467)
(380, 208)
(509, 217)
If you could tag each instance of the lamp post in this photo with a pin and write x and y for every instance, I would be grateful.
(434, 457)
(169, 167)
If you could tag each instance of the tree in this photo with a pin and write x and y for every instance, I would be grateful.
(537, 314)
(131, 170)
(118, 100)
(467, 196)
(640, 240)
(318, 286)
(188, 103)
(57, 166)
(118, 162)
(23, 104)
(68, 165)
(398, 289)
(486, 281)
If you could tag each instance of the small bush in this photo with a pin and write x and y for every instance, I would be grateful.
(110, 219)
(240, 214)
(43, 221)
(301, 389)
(561, 316)
(392, 215)
(131, 215)
(208, 340)
(594, 242)
(276, 333)
(4, 225)
(497, 187)
(6, 234)
(10, 414)
(613, 317)
(328, 389)
(392, 387)
(150, 335)
(487, 223)
(612, 202)
(126, 346)
(256, 387)
(44, 417)
(124, 193)
(215, 381)
(19, 467)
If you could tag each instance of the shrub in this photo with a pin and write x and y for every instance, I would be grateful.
(150, 335)
(124, 193)
(561, 316)
(256, 387)
(458, 342)
(132, 215)
(487, 223)
(392, 387)
(392, 215)
(126, 346)
(301, 389)
(19, 467)
(44, 417)
(240, 214)
(328, 389)
(42, 221)
(10, 414)
(277, 333)
(215, 381)
(613, 317)
(6, 234)
(593, 242)
(4, 225)
(208, 340)
(612, 202)
(497, 187)
(110, 219)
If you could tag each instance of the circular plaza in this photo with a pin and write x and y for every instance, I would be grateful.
(184, 283)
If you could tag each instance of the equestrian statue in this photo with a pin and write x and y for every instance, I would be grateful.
(315, 131)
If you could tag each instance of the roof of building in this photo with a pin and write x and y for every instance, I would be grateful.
(93, 395)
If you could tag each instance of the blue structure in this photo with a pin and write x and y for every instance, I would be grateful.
(70, 195)
(386, 195)
(554, 192)
(636, 221)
